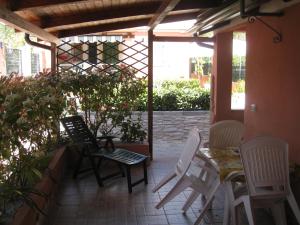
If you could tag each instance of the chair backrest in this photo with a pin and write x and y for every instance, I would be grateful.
(78, 131)
(191, 146)
(226, 133)
(265, 161)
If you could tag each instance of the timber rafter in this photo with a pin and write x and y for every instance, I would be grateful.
(120, 25)
(135, 10)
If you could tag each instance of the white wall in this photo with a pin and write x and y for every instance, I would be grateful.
(171, 59)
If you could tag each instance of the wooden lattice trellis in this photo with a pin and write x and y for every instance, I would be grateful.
(109, 57)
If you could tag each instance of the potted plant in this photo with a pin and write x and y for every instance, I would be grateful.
(132, 131)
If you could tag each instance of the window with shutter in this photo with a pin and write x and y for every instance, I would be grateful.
(110, 52)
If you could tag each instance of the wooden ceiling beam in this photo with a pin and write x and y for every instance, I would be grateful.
(183, 39)
(196, 4)
(202, 41)
(165, 7)
(101, 28)
(135, 10)
(17, 22)
(18, 5)
(121, 25)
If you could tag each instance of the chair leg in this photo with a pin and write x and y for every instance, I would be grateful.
(78, 165)
(145, 172)
(229, 210)
(248, 209)
(165, 180)
(226, 210)
(129, 179)
(193, 196)
(179, 187)
(207, 205)
(94, 167)
(99, 162)
(294, 206)
(121, 169)
(278, 212)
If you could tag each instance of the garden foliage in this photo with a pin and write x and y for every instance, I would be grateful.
(30, 109)
(178, 95)
(105, 100)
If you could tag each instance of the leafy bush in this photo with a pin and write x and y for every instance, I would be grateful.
(132, 130)
(106, 100)
(177, 95)
(30, 109)
(169, 101)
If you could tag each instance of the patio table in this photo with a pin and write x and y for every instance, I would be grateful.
(226, 162)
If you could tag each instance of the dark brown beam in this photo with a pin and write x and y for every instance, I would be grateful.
(134, 10)
(196, 4)
(17, 22)
(182, 39)
(17, 5)
(53, 58)
(121, 25)
(102, 28)
(199, 40)
(150, 92)
(165, 7)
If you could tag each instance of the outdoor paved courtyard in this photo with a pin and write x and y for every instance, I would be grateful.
(82, 202)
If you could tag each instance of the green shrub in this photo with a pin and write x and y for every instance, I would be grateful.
(177, 95)
(105, 100)
(157, 101)
(169, 102)
(132, 131)
(30, 109)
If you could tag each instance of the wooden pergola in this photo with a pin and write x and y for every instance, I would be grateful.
(50, 20)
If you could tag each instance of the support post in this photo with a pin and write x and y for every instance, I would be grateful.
(53, 58)
(150, 92)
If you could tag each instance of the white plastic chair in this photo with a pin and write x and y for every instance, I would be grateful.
(187, 154)
(266, 167)
(201, 179)
(226, 133)
(223, 134)
(196, 174)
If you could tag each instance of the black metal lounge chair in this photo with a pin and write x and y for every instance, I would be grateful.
(90, 148)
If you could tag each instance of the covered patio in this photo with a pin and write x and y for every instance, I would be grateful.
(272, 93)
(82, 202)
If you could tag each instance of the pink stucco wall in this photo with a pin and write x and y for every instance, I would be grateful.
(273, 80)
(222, 78)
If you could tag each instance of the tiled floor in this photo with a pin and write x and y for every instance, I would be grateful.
(82, 202)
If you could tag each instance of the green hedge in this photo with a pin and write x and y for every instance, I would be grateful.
(176, 96)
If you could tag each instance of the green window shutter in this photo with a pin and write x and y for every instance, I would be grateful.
(110, 53)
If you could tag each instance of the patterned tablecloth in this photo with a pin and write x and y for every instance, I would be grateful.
(225, 161)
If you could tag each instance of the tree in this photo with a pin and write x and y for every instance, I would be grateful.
(10, 38)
